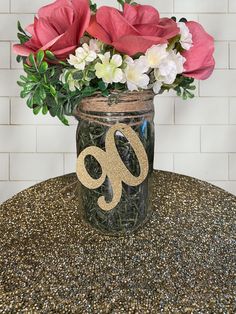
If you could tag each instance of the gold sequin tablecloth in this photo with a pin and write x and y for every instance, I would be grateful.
(182, 261)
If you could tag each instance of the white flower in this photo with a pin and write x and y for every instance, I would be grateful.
(186, 37)
(95, 45)
(169, 68)
(157, 87)
(135, 74)
(179, 61)
(109, 70)
(83, 56)
(155, 55)
(167, 72)
(67, 77)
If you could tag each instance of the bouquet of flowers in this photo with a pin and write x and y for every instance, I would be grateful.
(74, 50)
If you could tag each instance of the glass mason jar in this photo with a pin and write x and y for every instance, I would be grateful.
(96, 115)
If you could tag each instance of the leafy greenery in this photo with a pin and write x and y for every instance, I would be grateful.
(46, 92)
(93, 6)
(42, 87)
(182, 85)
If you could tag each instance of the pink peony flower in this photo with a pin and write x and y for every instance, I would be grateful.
(132, 31)
(58, 28)
(200, 62)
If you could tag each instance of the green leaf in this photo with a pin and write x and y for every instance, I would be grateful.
(23, 38)
(45, 110)
(43, 67)
(32, 78)
(183, 19)
(32, 61)
(119, 86)
(36, 109)
(121, 2)
(26, 67)
(24, 93)
(29, 85)
(21, 84)
(173, 42)
(78, 75)
(192, 87)
(20, 29)
(105, 93)
(40, 57)
(42, 93)
(52, 72)
(102, 86)
(190, 95)
(88, 91)
(23, 78)
(30, 102)
(93, 6)
(64, 120)
(19, 59)
(50, 55)
(63, 63)
(91, 75)
(184, 96)
(53, 91)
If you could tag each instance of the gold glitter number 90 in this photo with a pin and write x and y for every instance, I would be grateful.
(112, 165)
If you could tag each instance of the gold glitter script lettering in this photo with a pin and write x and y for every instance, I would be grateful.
(112, 165)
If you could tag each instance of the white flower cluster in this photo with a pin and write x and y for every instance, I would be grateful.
(158, 66)
(166, 65)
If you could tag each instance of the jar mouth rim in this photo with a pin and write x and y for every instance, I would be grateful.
(118, 103)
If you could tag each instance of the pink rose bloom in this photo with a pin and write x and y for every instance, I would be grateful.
(200, 62)
(132, 31)
(58, 28)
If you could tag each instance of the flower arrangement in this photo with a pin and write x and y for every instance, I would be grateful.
(74, 50)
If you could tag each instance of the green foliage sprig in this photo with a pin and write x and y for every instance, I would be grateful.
(42, 87)
(182, 85)
(93, 6)
(45, 91)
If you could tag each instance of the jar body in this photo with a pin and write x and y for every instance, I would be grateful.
(134, 207)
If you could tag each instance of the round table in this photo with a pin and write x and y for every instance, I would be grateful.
(181, 261)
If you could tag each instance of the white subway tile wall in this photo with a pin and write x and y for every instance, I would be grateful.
(195, 138)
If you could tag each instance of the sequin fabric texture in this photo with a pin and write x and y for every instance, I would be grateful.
(181, 261)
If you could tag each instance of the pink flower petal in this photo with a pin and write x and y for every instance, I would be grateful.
(167, 31)
(84, 14)
(97, 31)
(49, 45)
(22, 50)
(59, 27)
(44, 31)
(111, 19)
(199, 59)
(30, 29)
(141, 14)
(62, 18)
(47, 10)
(63, 53)
(168, 28)
(202, 73)
(136, 44)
